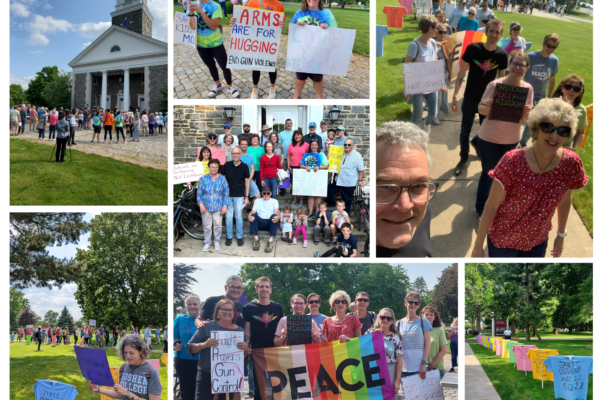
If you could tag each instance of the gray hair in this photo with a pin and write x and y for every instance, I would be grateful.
(233, 278)
(404, 134)
(137, 343)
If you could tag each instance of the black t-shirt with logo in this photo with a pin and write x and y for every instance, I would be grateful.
(208, 308)
(484, 66)
(263, 323)
(419, 246)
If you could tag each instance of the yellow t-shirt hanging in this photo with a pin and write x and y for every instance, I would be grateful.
(537, 357)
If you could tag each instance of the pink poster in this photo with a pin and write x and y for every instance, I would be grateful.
(408, 4)
(156, 363)
(53, 339)
(523, 363)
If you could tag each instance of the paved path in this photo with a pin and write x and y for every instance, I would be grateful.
(515, 15)
(148, 152)
(192, 80)
(454, 225)
(479, 386)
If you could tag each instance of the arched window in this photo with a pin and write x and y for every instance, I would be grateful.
(115, 48)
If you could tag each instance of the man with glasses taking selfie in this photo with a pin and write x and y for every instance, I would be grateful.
(403, 190)
(264, 217)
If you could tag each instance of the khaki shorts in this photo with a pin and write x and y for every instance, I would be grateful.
(14, 124)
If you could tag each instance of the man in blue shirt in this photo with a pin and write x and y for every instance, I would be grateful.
(457, 13)
(148, 336)
(285, 138)
(157, 333)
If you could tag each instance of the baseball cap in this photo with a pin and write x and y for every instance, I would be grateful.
(514, 25)
(341, 128)
(227, 126)
(312, 124)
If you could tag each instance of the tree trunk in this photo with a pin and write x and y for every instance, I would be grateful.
(536, 332)
(513, 326)
(527, 337)
(555, 331)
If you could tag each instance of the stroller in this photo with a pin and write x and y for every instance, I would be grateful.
(522, 9)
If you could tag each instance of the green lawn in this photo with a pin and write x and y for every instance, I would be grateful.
(346, 19)
(512, 384)
(88, 180)
(60, 364)
(562, 335)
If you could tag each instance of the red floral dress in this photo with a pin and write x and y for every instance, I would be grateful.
(333, 330)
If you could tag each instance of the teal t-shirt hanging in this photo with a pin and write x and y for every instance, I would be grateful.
(54, 390)
(571, 376)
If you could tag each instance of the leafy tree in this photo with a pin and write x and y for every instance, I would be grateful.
(51, 317)
(65, 318)
(27, 317)
(478, 291)
(126, 270)
(17, 96)
(182, 280)
(419, 285)
(163, 104)
(34, 92)
(445, 293)
(30, 235)
(17, 303)
(57, 92)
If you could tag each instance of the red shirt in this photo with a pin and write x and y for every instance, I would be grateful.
(524, 217)
(333, 330)
(268, 166)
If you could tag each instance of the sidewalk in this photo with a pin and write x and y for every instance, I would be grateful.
(477, 383)
(544, 14)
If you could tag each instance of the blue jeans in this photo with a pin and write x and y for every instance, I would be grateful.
(347, 195)
(23, 123)
(150, 130)
(442, 103)
(491, 153)
(41, 133)
(454, 351)
(469, 109)
(235, 205)
(273, 184)
(417, 101)
(224, 8)
(52, 132)
(536, 251)
(260, 224)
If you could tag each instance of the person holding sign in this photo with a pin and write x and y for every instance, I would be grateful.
(295, 152)
(298, 304)
(438, 340)
(498, 134)
(138, 379)
(530, 185)
(205, 16)
(313, 161)
(385, 323)
(312, 13)
(341, 326)
(571, 90)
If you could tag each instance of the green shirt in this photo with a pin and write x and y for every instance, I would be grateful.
(438, 339)
(512, 357)
(581, 124)
(257, 154)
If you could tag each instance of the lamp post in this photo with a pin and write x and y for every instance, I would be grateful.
(334, 113)
(229, 112)
(493, 325)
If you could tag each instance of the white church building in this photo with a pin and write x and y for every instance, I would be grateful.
(124, 67)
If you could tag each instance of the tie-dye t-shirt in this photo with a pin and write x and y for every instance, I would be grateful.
(315, 18)
(206, 38)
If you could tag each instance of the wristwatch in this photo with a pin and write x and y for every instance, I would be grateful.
(561, 234)
(424, 362)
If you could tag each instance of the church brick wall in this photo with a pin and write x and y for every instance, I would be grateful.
(79, 98)
(159, 80)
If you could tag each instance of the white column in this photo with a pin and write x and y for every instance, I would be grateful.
(147, 89)
(126, 90)
(104, 89)
(88, 89)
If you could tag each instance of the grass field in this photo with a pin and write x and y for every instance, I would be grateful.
(88, 180)
(512, 384)
(561, 335)
(60, 364)
(346, 19)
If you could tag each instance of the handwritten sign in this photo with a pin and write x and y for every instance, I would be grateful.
(51, 390)
(537, 358)
(335, 158)
(188, 172)
(299, 329)
(423, 77)
(254, 42)
(227, 362)
(309, 183)
(315, 50)
(92, 322)
(570, 375)
(423, 7)
(417, 389)
(94, 366)
(182, 33)
(509, 103)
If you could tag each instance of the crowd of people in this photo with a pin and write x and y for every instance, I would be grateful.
(255, 167)
(414, 344)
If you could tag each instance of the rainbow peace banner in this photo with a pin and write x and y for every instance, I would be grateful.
(356, 369)
(455, 46)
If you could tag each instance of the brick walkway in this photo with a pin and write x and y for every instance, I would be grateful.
(148, 152)
(193, 81)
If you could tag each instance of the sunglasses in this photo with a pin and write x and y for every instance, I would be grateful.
(347, 145)
(471, 14)
(266, 193)
(384, 318)
(362, 300)
(443, 32)
(414, 303)
(314, 302)
(212, 138)
(576, 89)
(340, 302)
(548, 128)
(548, 45)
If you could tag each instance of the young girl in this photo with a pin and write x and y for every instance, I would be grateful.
(286, 224)
(330, 140)
(339, 217)
(301, 222)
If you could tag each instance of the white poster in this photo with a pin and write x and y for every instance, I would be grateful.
(92, 322)
(254, 42)
(188, 172)
(309, 183)
(182, 33)
(417, 389)
(423, 7)
(423, 77)
(315, 50)
(227, 362)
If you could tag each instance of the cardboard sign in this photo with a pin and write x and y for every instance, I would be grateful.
(182, 33)
(188, 172)
(335, 158)
(227, 362)
(423, 7)
(299, 329)
(94, 366)
(309, 183)
(509, 103)
(423, 77)
(417, 389)
(92, 322)
(315, 50)
(254, 42)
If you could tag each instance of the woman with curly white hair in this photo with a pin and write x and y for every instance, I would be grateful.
(529, 185)
(138, 379)
(341, 326)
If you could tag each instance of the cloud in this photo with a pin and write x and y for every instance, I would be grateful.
(36, 52)
(24, 82)
(39, 39)
(86, 44)
(91, 29)
(160, 26)
(41, 26)
(47, 7)
(19, 10)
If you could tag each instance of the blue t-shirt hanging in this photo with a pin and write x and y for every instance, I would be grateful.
(571, 376)
(54, 390)
(315, 18)
(184, 328)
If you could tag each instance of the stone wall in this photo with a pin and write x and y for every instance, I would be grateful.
(139, 19)
(79, 96)
(159, 80)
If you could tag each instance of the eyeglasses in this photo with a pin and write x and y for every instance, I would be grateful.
(519, 65)
(226, 128)
(340, 302)
(314, 302)
(266, 193)
(418, 192)
(347, 145)
(236, 154)
(231, 287)
(362, 300)
(413, 303)
(298, 304)
(548, 45)
(471, 14)
(576, 89)
(227, 310)
(384, 318)
(548, 128)
(443, 32)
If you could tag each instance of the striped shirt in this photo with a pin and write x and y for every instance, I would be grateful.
(413, 343)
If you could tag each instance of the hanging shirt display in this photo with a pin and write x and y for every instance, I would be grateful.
(537, 357)
(571, 375)
(523, 363)
(54, 390)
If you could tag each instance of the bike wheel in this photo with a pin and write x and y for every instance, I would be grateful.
(191, 222)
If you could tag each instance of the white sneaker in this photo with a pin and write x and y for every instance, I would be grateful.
(205, 248)
(272, 93)
(427, 128)
(436, 121)
(254, 94)
(233, 92)
(217, 246)
(215, 90)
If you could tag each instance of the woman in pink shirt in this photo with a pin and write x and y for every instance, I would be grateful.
(32, 118)
(530, 185)
(53, 118)
(295, 152)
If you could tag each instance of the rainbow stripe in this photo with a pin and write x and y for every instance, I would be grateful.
(463, 38)
(294, 370)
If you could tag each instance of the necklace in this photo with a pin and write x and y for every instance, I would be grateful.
(538, 164)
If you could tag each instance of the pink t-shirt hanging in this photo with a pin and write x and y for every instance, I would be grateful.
(523, 362)
(499, 348)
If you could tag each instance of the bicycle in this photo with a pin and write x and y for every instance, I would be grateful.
(361, 212)
(186, 217)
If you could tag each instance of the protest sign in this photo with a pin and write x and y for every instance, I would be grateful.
(571, 375)
(416, 389)
(227, 362)
(455, 46)
(219, 154)
(299, 329)
(309, 183)
(537, 357)
(508, 103)
(335, 158)
(423, 7)
(205, 167)
(115, 375)
(423, 77)
(254, 42)
(188, 172)
(356, 369)
(92, 322)
(182, 33)
(165, 360)
(94, 366)
(315, 50)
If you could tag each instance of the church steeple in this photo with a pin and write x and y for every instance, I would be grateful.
(133, 15)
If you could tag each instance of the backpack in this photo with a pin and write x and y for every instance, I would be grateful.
(398, 327)
(148, 373)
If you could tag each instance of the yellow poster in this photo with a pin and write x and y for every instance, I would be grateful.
(115, 374)
(164, 359)
(206, 170)
(335, 158)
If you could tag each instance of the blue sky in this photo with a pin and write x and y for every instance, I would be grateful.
(47, 33)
